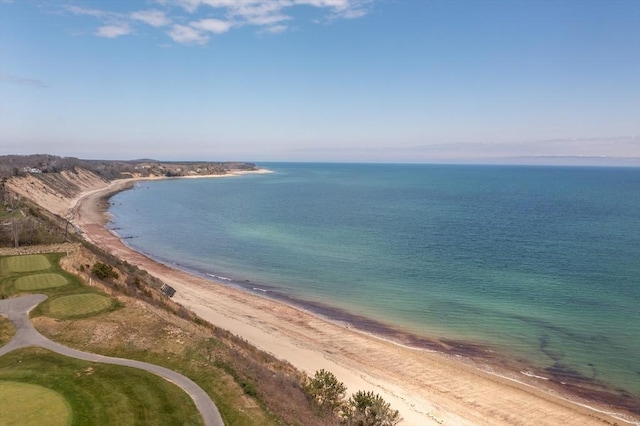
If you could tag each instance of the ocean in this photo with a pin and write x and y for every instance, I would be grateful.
(537, 265)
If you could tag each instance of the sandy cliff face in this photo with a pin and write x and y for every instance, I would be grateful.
(56, 192)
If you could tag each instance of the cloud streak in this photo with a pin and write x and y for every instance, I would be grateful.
(155, 18)
(33, 82)
(187, 35)
(113, 31)
(195, 21)
(212, 25)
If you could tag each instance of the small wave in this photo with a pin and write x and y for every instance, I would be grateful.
(218, 277)
(260, 289)
(531, 374)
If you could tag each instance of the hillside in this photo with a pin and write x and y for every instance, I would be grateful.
(54, 191)
(54, 183)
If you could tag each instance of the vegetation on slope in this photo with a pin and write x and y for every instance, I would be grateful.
(248, 386)
(41, 164)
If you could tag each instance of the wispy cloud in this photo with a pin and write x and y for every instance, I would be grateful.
(155, 18)
(187, 35)
(33, 82)
(212, 25)
(193, 21)
(113, 31)
(275, 29)
(96, 13)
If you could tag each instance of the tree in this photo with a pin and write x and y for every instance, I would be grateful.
(325, 390)
(369, 409)
(15, 227)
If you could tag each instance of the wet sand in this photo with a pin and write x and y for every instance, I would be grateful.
(429, 382)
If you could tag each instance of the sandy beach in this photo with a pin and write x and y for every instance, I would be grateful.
(427, 387)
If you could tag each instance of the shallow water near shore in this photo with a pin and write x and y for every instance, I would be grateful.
(540, 264)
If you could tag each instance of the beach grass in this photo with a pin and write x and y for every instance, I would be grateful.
(7, 330)
(33, 405)
(99, 394)
(40, 281)
(25, 263)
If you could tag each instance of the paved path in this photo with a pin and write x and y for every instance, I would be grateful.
(17, 310)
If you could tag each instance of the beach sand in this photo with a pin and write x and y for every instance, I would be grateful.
(427, 387)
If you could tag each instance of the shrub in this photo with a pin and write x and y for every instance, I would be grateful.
(325, 390)
(369, 409)
(103, 271)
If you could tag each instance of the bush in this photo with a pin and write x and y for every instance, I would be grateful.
(362, 409)
(369, 409)
(103, 271)
(325, 390)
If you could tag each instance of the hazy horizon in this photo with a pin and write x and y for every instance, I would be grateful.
(323, 80)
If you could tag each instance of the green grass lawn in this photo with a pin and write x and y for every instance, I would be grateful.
(68, 296)
(97, 394)
(32, 405)
(100, 394)
(26, 263)
(78, 305)
(91, 393)
(40, 281)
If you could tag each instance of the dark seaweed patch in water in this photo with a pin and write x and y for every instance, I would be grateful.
(589, 388)
(544, 348)
(565, 377)
(565, 373)
(566, 333)
(368, 325)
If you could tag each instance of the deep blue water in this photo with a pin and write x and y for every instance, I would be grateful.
(540, 263)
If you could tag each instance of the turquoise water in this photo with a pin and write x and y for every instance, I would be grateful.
(542, 264)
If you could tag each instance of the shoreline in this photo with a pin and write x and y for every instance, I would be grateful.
(427, 384)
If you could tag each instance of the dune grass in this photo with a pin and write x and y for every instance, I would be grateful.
(7, 330)
(32, 405)
(25, 263)
(40, 281)
(101, 394)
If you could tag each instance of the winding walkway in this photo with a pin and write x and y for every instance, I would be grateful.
(17, 310)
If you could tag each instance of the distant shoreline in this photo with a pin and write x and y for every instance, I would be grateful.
(91, 216)
(120, 185)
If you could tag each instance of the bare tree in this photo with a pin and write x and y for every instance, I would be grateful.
(15, 227)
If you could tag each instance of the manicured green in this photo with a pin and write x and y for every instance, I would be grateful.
(40, 281)
(101, 394)
(25, 263)
(79, 305)
(32, 405)
(68, 295)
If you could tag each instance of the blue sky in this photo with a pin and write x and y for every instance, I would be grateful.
(322, 80)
